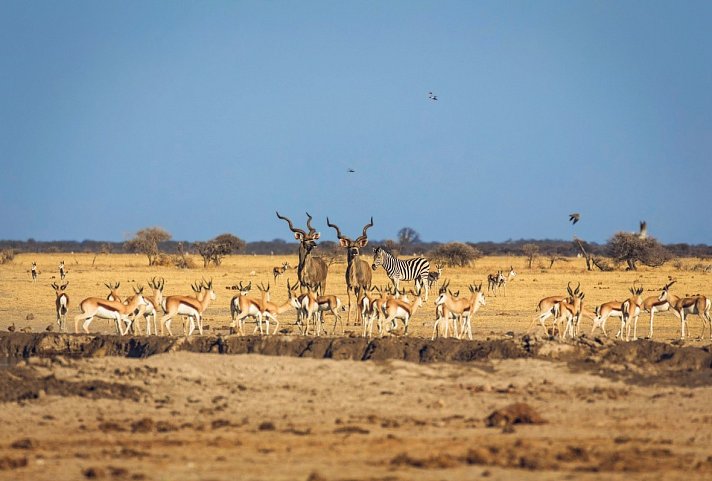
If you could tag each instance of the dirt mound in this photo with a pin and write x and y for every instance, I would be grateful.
(20, 383)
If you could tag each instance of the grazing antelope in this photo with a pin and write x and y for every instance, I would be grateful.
(434, 277)
(358, 275)
(312, 271)
(61, 304)
(417, 269)
(97, 307)
(62, 272)
(395, 309)
(477, 300)
(33, 270)
(187, 306)
(278, 271)
(603, 312)
(683, 306)
(631, 311)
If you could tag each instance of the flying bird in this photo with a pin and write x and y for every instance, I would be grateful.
(351, 171)
(575, 217)
(643, 234)
(432, 96)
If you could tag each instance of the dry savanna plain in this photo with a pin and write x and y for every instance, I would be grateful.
(511, 404)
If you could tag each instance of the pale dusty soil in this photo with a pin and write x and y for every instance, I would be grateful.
(212, 417)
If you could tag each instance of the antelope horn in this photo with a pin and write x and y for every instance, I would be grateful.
(365, 228)
(291, 226)
(309, 219)
(338, 232)
(576, 291)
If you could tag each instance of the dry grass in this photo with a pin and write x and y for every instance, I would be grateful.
(19, 297)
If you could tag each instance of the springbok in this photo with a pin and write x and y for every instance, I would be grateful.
(61, 304)
(312, 271)
(545, 307)
(187, 306)
(603, 312)
(62, 272)
(631, 311)
(652, 305)
(278, 271)
(503, 280)
(395, 309)
(448, 306)
(570, 310)
(97, 307)
(699, 305)
(34, 272)
(477, 300)
(434, 277)
(358, 274)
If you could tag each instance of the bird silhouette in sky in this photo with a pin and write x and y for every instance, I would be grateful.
(351, 171)
(432, 96)
(575, 217)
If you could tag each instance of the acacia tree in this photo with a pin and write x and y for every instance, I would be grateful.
(214, 250)
(530, 251)
(456, 254)
(408, 236)
(146, 242)
(632, 248)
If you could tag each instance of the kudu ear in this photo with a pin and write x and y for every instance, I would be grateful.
(363, 242)
(299, 236)
(343, 242)
(316, 236)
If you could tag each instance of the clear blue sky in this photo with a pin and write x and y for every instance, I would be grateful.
(206, 117)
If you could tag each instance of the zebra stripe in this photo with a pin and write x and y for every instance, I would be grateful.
(397, 270)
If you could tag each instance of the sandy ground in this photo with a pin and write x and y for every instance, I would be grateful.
(205, 416)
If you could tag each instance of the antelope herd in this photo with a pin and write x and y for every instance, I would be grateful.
(383, 306)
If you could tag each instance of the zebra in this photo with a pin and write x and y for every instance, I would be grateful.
(398, 270)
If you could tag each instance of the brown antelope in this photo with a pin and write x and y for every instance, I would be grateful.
(97, 307)
(270, 311)
(477, 300)
(493, 282)
(61, 304)
(34, 272)
(152, 304)
(398, 309)
(312, 271)
(358, 273)
(375, 310)
(187, 306)
(653, 304)
(448, 306)
(569, 309)
(330, 304)
(278, 271)
(242, 307)
(631, 311)
(62, 272)
(683, 306)
(603, 312)
(546, 306)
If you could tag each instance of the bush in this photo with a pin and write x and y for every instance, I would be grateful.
(631, 249)
(7, 256)
(456, 254)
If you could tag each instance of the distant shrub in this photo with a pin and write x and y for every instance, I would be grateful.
(456, 254)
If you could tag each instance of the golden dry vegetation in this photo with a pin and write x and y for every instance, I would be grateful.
(87, 273)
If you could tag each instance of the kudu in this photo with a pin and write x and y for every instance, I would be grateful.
(312, 271)
(358, 271)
